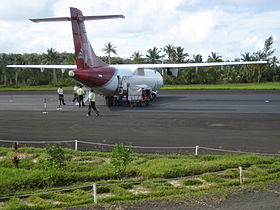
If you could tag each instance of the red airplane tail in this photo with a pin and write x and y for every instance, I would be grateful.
(85, 56)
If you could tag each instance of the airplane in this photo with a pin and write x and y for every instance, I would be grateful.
(105, 79)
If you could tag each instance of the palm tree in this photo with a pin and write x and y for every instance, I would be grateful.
(197, 58)
(169, 50)
(214, 57)
(179, 54)
(70, 59)
(213, 74)
(267, 50)
(153, 55)
(246, 57)
(274, 62)
(19, 61)
(274, 67)
(109, 48)
(51, 57)
(137, 57)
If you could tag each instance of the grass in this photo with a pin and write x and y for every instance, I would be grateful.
(227, 86)
(153, 174)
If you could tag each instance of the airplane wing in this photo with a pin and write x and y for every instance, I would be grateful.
(42, 67)
(146, 66)
(187, 65)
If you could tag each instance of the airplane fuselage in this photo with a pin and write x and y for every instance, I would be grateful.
(106, 80)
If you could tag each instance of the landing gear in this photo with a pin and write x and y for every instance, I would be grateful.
(109, 100)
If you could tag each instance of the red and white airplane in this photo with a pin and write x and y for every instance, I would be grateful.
(106, 79)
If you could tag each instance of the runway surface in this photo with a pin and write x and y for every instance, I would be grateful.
(227, 119)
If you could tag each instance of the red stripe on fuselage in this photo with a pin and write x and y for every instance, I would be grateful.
(94, 76)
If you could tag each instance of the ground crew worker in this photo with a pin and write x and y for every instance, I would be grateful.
(91, 99)
(60, 96)
(120, 96)
(75, 93)
(81, 93)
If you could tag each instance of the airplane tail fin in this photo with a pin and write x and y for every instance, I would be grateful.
(85, 56)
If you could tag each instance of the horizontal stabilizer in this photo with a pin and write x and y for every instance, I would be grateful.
(43, 66)
(83, 18)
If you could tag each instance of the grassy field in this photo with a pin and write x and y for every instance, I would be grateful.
(233, 86)
(156, 176)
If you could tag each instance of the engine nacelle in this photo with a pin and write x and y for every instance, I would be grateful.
(172, 72)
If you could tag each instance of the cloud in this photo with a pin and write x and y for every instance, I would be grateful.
(201, 27)
(13, 10)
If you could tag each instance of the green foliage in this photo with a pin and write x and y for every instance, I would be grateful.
(168, 54)
(17, 204)
(103, 189)
(84, 168)
(121, 157)
(192, 182)
(56, 157)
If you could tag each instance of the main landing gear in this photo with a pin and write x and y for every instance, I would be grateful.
(109, 100)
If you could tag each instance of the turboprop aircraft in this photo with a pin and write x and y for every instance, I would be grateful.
(106, 79)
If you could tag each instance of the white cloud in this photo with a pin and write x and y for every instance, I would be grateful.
(230, 28)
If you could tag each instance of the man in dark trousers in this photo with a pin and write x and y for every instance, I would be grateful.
(60, 96)
(81, 93)
(91, 99)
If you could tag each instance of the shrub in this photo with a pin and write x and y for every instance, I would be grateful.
(56, 157)
(121, 157)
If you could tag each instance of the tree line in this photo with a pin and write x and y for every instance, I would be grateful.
(10, 77)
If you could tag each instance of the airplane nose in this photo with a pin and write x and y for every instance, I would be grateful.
(71, 73)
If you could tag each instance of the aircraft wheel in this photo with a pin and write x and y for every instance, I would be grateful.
(109, 100)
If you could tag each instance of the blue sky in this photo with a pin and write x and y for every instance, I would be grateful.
(229, 27)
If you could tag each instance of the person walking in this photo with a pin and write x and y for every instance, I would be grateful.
(75, 93)
(81, 93)
(91, 99)
(60, 96)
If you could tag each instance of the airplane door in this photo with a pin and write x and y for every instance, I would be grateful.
(124, 82)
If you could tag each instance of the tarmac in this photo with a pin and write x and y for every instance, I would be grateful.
(224, 119)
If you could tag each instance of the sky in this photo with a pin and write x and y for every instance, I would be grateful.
(227, 27)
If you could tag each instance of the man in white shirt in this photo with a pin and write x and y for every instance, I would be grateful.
(91, 99)
(60, 96)
(75, 93)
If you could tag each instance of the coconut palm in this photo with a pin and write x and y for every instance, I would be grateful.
(180, 55)
(267, 50)
(169, 50)
(197, 58)
(108, 49)
(214, 57)
(246, 57)
(51, 57)
(153, 55)
(20, 61)
(137, 57)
